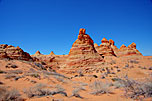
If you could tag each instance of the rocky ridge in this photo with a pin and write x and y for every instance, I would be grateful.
(11, 52)
(84, 53)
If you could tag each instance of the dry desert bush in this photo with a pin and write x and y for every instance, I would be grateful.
(9, 76)
(9, 95)
(2, 72)
(9, 65)
(99, 87)
(40, 90)
(15, 71)
(76, 90)
(134, 89)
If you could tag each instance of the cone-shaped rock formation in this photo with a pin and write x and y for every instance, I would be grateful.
(83, 51)
(105, 48)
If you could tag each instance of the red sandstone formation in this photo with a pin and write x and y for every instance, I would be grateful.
(123, 46)
(52, 53)
(105, 48)
(133, 45)
(11, 52)
(83, 52)
(95, 45)
(111, 42)
(38, 53)
(130, 50)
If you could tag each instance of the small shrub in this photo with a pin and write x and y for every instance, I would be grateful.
(99, 87)
(150, 68)
(76, 91)
(43, 63)
(80, 73)
(33, 81)
(1, 83)
(116, 79)
(18, 77)
(9, 65)
(36, 90)
(2, 72)
(11, 95)
(35, 75)
(118, 84)
(59, 90)
(40, 66)
(112, 62)
(15, 71)
(134, 61)
(141, 67)
(135, 89)
(9, 76)
(43, 90)
(60, 79)
(127, 65)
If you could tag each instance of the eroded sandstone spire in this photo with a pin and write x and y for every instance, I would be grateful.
(37, 53)
(52, 53)
(105, 48)
(83, 52)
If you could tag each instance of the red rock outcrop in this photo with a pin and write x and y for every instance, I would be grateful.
(95, 45)
(133, 45)
(37, 53)
(38, 56)
(83, 52)
(130, 50)
(11, 52)
(52, 53)
(105, 48)
(123, 46)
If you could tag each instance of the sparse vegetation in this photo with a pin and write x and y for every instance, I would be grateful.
(9, 65)
(99, 87)
(9, 76)
(40, 90)
(135, 89)
(112, 62)
(40, 66)
(76, 90)
(1, 83)
(134, 61)
(141, 67)
(9, 95)
(150, 68)
(35, 75)
(2, 72)
(15, 71)
(60, 79)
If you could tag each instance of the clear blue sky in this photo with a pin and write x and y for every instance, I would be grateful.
(53, 25)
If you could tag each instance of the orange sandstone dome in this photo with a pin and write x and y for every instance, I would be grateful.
(52, 53)
(111, 42)
(104, 40)
(37, 53)
(82, 31)
(133, 45)
(123, 46)
(95, 45)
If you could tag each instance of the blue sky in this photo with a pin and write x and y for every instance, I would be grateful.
(53, 25)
